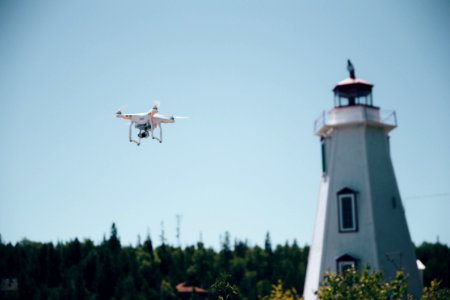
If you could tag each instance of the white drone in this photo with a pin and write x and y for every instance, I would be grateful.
(147, 122)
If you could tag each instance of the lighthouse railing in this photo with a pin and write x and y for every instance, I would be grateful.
(320, 121)
(388, 117)
(373, 115)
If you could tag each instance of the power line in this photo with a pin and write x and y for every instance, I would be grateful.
(427, 196)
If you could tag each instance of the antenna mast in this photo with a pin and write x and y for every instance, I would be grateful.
(162, 236)
(178, 229)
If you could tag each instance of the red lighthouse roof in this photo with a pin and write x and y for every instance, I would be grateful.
(350, 81)
(352, 91)
(353, 87)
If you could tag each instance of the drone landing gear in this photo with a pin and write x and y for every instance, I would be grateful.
(144, 133)
(138, 142)
(160, 134)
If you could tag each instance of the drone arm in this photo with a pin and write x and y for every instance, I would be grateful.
(160, 133)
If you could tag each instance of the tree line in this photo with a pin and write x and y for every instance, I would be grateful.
(109, 270)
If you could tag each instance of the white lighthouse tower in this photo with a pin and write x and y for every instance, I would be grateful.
(360, 219)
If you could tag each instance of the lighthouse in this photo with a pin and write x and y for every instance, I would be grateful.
(360, 220)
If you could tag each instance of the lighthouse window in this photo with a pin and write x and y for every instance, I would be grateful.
(347, 213)
(345, 262)
(324, 157)
(345, 265)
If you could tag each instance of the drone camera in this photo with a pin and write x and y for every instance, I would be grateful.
(143, 134)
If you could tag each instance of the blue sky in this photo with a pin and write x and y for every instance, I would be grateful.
(252, 75)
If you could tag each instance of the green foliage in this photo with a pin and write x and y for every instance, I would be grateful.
(114, 242)
(435, 292)
(83, 270)
(436, 258)
(279, 293)
(367, 285)
(223, 289)
(371, 285)
(166, 290)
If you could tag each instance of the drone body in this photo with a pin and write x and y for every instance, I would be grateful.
(146, 123)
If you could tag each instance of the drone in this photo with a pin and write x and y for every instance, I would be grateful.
(147, 123)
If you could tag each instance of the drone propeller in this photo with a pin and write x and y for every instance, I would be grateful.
(178, 117)
(156, 105)
(120, 110)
